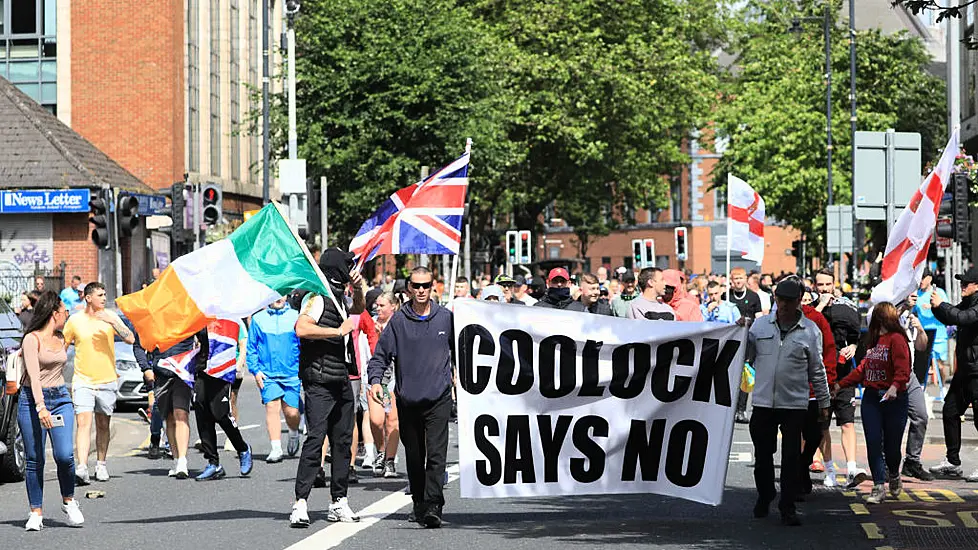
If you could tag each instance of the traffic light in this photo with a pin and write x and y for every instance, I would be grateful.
(525, 247)
(212, 197)
(955, 206)
(100, 219)
(796, 248)
(637, 253)
(512, 242)
(127, 214)
(681, 244)
(649, 253)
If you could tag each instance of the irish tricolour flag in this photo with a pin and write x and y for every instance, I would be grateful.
(230, 279)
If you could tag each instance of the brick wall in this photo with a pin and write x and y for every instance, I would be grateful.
(73, 245)
(127, 94)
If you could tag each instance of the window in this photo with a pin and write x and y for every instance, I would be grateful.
(215, 68)
(719, 204)
(676, 200)
(193, 86)
(235, 93)
(28, 60)
(254, 58)
(554, 252)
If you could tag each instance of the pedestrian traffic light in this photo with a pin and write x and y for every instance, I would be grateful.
(955, 206)
(796, 248)
(525, 245)
(637, 252)
(512, 242)
(649, 253)
(127, 214)
(99, 218)
(212, 197)
(681, 244)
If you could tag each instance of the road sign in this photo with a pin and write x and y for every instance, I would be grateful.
(838, 229)
(876, 156)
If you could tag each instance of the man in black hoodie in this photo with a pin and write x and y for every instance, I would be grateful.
(558, 293)
(325, 365)
(419, 338)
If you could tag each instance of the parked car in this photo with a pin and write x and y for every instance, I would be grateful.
(13, 459)
(132, 389)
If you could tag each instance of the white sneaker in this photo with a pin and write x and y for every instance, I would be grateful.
(856, 477)
(945, 469)
(274, 456)
(34, 522)
(295, 441)
(101, 473)
(830, 479)
(340, 511)
(81, 475)
(300, 515)
(75, 517)
(180, 472)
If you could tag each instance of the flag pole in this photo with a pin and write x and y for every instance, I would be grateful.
(729, 295)
(454, 274)
(315, 265)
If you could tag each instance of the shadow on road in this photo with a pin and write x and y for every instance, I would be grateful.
(213, 516)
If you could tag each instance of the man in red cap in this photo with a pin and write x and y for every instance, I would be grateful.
(558, 292)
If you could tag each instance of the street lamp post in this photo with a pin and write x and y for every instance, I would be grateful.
(826, 20)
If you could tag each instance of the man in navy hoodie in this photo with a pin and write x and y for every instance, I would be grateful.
(419, 339)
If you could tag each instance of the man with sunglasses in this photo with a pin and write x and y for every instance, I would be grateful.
(420, 338)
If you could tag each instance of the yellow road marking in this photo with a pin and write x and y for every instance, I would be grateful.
(872, 530)
(859, 509)
(924, 495)
(884, 548)
(850, 494)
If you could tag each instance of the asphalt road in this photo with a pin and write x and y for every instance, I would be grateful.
(142, 506)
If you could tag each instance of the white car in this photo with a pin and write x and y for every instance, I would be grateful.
(132, 388)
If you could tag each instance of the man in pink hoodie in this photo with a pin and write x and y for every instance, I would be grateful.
(685, 306)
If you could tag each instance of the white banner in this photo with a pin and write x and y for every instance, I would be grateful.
(563, 403)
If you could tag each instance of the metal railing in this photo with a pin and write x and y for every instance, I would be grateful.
(15, 280)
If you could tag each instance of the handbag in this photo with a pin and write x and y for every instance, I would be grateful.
(747, 379)
(15, 369)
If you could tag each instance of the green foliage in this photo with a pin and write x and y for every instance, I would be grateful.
(774, 109)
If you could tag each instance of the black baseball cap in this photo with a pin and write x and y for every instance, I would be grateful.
(970, 276)
(790, 289)
(628, 277)
(520, 280)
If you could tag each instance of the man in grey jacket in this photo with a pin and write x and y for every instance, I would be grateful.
(785, 349)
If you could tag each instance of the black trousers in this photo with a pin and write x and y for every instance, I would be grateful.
(329, 410)
(742, 401)
(424, 435)
(212, 406)
(764, 426)
(963, 392)
(812, 433)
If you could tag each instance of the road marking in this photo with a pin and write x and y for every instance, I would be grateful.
(850, 494)
(334, 534)
(872, 530)
(740, 457)
(859, 509)
(924, 495)
(884, 548)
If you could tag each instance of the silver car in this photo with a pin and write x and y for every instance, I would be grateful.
(132, 389)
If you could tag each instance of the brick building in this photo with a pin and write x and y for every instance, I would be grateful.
(693, 204)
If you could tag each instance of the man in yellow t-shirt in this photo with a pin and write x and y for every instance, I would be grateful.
(93, 332)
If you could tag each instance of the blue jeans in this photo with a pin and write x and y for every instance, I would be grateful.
(883, 425)
(58, 401)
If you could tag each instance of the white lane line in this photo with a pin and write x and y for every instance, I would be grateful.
(334, 534)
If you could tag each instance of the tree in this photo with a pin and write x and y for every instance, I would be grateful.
(773, 113)
(385, 87)
(607, 91)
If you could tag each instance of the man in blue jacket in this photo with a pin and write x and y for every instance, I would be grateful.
(273, 358)
(419, 339)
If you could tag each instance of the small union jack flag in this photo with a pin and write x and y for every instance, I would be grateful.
(423, 218)
(222, 338)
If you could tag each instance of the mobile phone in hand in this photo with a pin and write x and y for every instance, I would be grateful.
(57, 420)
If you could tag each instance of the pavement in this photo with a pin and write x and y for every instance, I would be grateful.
(142, 506)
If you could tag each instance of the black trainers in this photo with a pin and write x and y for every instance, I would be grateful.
(790, 519)
(741, 418)
(761, 508)
(320, 480)
(912, 468)
(416, 515)
(154, 452)
(432, 518)
(353, 477)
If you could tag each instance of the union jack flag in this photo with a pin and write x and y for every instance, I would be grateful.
(423, 218)
(182, 365)
(222, 339)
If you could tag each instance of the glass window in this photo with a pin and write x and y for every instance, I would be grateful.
(33, 90)
(719, 204)
(49, 93)
(23, 17)
(2, 12)
(3, 70)
(676, 200)
(23, 71)
(254, 59)
(24, 48)
(49, 71)
(50, 17)
(235, 114)
(193, 88)
(215, 78)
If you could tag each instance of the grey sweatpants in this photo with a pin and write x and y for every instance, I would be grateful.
(917, 414)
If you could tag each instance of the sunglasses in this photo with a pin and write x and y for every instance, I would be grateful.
(419, 286)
